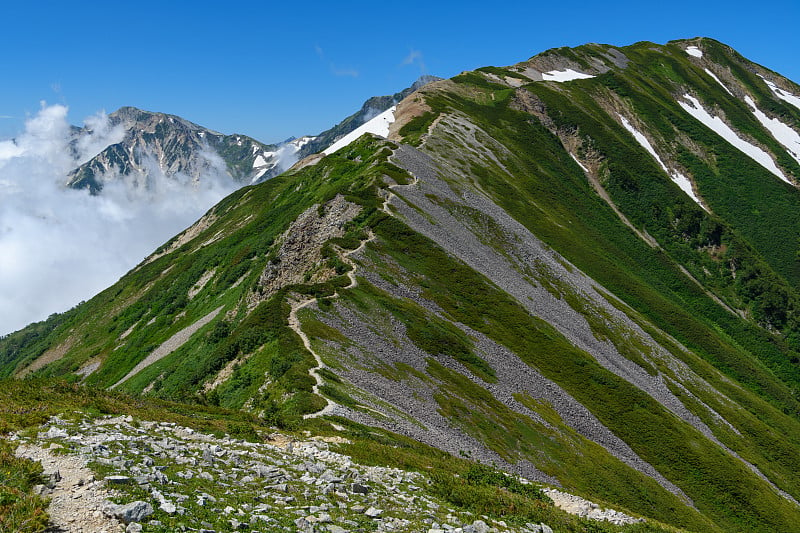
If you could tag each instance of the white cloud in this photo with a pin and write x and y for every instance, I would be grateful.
(287, 156)
(59, 246)
(101, 134)
(414, 57)
(346, 71)
(334, 69)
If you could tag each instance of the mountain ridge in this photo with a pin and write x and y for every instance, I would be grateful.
(538, 285)
(160, 142)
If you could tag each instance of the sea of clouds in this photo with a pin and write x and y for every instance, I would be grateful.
(59, 246)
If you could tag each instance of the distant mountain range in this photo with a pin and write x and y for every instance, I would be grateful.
(173, 146)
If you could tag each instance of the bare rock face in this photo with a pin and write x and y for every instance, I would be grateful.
(157, 142)
(300, 251)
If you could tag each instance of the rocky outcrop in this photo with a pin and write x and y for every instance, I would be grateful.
(299, 258)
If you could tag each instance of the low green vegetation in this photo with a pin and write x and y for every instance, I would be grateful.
(415, 128)
(551, 196)
(237, 241)
(20, 509)
(477, 488)
(428, 332)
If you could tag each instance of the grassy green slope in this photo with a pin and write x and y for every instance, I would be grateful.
(126, 322)
(551, 196)
(710, 477)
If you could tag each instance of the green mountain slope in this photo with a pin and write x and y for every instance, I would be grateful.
(578, 281)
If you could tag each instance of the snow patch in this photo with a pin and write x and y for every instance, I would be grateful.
(565, 75)
(378, 125)
(785, 135)
(694, 51)
(679, 179)
(718, 81)
(263, 164)
(642, 140)
(695, 109)
(579, 163)
(686, 186)
(302, 141)
(783, 95)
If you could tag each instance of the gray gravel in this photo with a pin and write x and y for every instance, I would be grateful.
(171, 478)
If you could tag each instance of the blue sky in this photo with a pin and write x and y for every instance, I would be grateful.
(273, 70)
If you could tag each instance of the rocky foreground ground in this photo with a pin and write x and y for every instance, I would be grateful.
(119, 474)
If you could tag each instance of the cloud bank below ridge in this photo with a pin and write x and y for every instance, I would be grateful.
(58, 245)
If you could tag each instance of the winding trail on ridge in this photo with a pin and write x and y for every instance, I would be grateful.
(294, 323)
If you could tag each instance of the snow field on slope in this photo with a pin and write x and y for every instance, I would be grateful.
(679, 179)
(694, 51)
(579, 163)
(718, 81)
(565, 75)
(785, 135)
(695, 109)
(783, 95)
(263, 164)
(378, 125)
(302, 141)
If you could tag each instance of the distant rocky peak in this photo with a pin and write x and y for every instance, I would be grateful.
(370, 109)
(171, 145)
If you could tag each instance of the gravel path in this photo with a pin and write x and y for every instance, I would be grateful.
(77, 499)
(584, 508)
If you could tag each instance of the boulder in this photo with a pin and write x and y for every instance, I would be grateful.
(130, 512)
(373, 512)
(357, 488)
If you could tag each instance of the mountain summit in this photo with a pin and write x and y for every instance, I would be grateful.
(581, 268)
(157, 142)
(369, 110)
